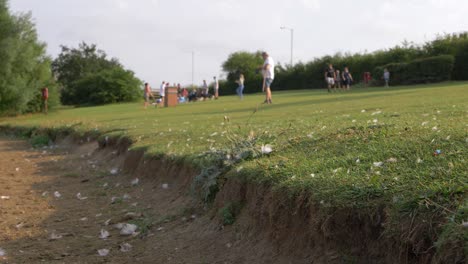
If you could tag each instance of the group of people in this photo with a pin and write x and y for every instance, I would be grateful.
(183, 94)
(338, 80)
(268, 73)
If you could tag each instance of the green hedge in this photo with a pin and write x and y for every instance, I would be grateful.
(427, 70)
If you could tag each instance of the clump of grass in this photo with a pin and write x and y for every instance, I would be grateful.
(39, 141)
(144, 224)
(230, 212)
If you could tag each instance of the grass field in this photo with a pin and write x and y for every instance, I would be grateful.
(360, 149)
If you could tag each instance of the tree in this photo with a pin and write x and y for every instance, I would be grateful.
(89, 77)
(24, 66)
(245, 63)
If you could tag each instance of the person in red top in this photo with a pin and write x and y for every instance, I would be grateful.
(45, 98)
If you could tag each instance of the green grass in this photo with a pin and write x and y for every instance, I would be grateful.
(323, 144)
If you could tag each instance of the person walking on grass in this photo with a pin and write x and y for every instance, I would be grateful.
(205, 89)
(268, 71)
(240, 88)
(330, 77)
(216, 87)
(162, 90)
(338, 80)
(45, 99)
(386, 77)
(347, 79)
(147, 94)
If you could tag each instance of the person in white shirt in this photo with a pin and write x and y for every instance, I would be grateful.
(162, 89)
(216, 87)
(268, 71)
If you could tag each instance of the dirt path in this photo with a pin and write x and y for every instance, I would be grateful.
(39, 225)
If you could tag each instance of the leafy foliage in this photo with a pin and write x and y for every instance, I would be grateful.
(245, 63)
(89, 77)
(434, 69)
(310, 74)
(24, 66)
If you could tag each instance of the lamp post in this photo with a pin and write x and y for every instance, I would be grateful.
(292, 41)
(193, 68)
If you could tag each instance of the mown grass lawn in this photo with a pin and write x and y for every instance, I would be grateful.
(349, 149)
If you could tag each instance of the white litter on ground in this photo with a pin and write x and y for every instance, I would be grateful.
(392, 160)
(104, 234)
(165, 186)
(103, 252)
(378, 164)
(125, 247)
(2, 252)
(5, 197)
(78, 195)
(266, 149)
(17, 169)
(57, 194)
(54, 236)
(114, 171)
(135, 182)
(107, 222)
(128, 229)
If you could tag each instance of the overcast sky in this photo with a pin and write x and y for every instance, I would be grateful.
(155, 38)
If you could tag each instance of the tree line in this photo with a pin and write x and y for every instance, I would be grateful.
(444, 58)
(78, 76)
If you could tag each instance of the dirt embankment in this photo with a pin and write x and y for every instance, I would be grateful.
(173, 227)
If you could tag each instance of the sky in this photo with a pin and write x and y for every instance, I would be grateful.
(156, 38)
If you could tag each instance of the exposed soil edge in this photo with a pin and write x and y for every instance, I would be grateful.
(296, 225)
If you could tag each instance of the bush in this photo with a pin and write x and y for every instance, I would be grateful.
(108, 86)
(428, 70)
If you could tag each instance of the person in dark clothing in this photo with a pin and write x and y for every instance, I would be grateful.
(347, 79)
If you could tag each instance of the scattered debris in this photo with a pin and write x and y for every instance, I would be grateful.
(128, 229)
(376, 113)
(104, 234)
(392, 160)
(160, 228)
(84, 219)
(55, 236)
(107, 222)
(358, 161)
(437, 152)
(312, 175)
(126, 197)
(378, 164)
(44, 194)
(20, 225)
(2, 252)
(17, 169)
(114, 171)
(419, 161)
(5, 197)
(57, 194)
(266, 149)
(165, 186)
(125, 247)
(135, 182)
(105, 185)
(78, 195)
(103, 252)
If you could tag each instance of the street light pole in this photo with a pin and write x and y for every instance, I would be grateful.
(292, 41)
(193, 68)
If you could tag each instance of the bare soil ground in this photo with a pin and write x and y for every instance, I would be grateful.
(37, 226)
